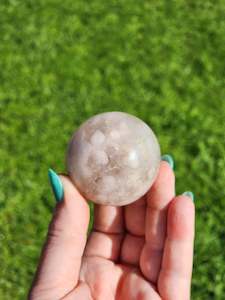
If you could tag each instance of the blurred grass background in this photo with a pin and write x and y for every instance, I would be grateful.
(63, 61)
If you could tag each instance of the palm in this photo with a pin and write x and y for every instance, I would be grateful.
(136, 252)
(118, 275)
(123, 258)
(115, 256)
(108, 280)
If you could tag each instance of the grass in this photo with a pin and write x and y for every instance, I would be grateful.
(63, 61)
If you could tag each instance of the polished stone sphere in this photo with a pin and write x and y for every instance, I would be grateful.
(113, 158)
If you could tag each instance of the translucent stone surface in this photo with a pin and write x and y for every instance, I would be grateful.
(113, 158)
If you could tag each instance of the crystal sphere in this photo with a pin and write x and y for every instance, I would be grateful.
(113, 158)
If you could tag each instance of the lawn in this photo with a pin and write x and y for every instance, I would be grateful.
(63, 61)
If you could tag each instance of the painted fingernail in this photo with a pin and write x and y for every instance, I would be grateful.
(189, 194)
(56, 185)
(168, 158)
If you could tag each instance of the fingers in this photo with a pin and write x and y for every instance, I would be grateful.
(104, 245)
(135, 217)
(108, 219)
(131, 249)
(106, 237)
(108, 241)
(175, 276)
(158, 198)
(61, 257)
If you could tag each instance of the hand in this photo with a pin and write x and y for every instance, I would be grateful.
(137, 252)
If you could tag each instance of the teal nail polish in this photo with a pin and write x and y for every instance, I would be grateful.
(56, 185)
(189, 194)
(168, 158)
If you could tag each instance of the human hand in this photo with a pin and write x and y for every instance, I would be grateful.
(143, 250)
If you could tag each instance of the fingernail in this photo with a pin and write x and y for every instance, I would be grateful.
(168, 158)
(189, 194)
(56, 185)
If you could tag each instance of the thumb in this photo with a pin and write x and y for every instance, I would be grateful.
(59, 266)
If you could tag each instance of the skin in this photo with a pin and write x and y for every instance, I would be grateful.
(136, 252)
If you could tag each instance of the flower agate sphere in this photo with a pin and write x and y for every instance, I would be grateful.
(113, 158)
